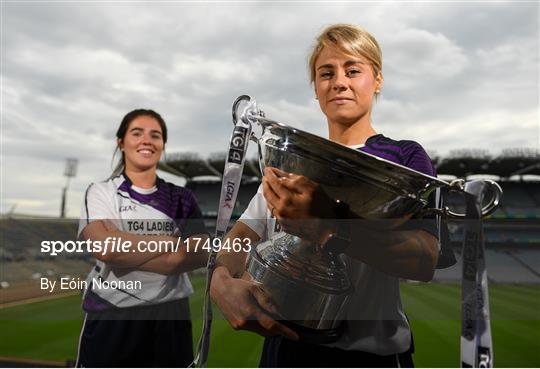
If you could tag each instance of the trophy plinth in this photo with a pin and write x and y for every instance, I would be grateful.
(309, 286)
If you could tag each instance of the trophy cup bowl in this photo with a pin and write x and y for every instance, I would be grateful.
(310, 286)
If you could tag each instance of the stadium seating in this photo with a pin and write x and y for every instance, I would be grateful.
(520, 200)
(502, 267)
(20, 249)
(512, 232)
(452, 274)
(530, 258)
(207, 193)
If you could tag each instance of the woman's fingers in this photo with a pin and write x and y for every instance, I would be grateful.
(263, 299)
(271, 327)
(272, 198)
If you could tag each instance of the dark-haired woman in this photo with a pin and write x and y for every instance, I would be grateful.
(136, 301)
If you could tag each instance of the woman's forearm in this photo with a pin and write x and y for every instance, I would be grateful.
(183, 260)
(235, 262)
(409, 254)
(131, 254)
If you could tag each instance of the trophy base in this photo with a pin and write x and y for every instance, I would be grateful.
(315, 336)
(309, 290)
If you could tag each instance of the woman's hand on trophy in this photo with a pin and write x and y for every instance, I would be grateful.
(299, 204)
(246, 305)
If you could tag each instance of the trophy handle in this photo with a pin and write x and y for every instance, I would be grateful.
(236, 104)
(458, 185)
(248, 113)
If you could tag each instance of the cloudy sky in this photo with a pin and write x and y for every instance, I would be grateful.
(458, 75)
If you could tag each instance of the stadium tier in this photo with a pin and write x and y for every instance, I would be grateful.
(518, 200)
(27, 270)
(21, 237)
(462, 163)
(207, 192)
(459, 163)
(191, 165)
(512, 233)
(521, 199)
(20, 254)
(528, 258)
(510, 266)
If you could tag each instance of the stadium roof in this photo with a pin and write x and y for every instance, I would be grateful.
(463, 163)
(190, 165)
(460, 163)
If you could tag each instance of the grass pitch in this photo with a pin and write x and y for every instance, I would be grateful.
(50, 330)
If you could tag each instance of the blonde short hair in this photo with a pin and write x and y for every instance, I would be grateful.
(349, 39)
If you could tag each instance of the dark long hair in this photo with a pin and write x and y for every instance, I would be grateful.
(123, 128)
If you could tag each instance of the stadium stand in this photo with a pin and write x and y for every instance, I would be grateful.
(512, 233)
(207, 193)
(528, 258)
(21, 236)
(248, 189)
(452, 274)
(502, 267)
(519, 194)
(13, 272)
(20, 246)
(518, 200)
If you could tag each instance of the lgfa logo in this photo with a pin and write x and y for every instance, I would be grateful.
(229, 192)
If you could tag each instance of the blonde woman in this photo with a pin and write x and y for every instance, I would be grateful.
(346, 72)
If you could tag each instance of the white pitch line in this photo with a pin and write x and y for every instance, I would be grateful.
(38, 299)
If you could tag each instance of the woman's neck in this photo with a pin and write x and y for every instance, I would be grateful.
(142, 178)
(354, 134)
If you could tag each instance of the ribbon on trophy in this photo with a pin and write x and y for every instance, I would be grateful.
(232, 177)
(476, 342)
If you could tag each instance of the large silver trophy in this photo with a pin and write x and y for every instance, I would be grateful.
(310, 286)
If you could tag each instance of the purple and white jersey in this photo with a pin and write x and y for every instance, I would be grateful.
(375, 321)
(407, 153)
(165, 209)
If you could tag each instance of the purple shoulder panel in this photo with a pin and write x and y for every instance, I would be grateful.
(174, 201)
(408, 153)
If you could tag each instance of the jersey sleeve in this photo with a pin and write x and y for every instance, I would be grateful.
(429, 223)
(256, 214)
(97, 205)
(419, 160)
(415, 157)
(193, 223)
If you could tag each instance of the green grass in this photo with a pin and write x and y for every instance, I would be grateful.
(49, 330)
(434, 313)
